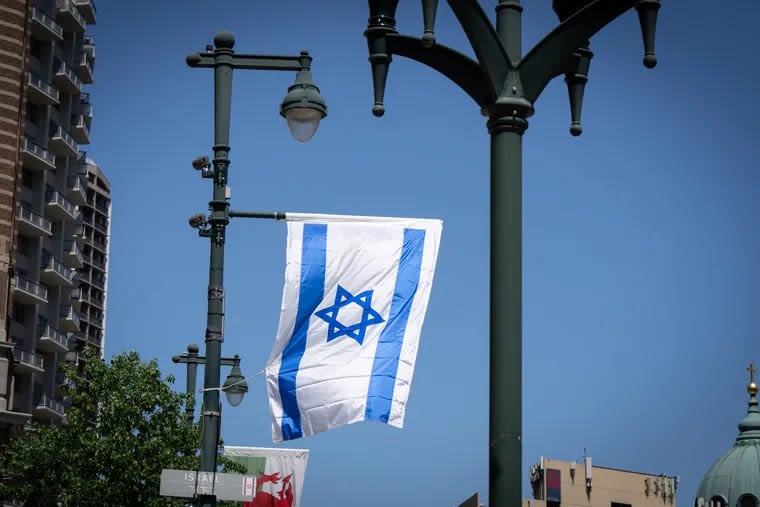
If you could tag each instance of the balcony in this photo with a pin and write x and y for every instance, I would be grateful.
(44, 28)
(98, 281)
(27, 362)
(85, 107)
(58, 207)
(62, 144)
(77, 297)
(100, 226)
(83, 65)
(100, 244)
(40, 92)
(69, 17)
(77, 231)
(37, 158)
(55, 273)
(88, 10)
(46, 408)
(96, 321)
(72, 254)
(101, 265)
(70, 321)
(102, 206)
(76, 190)
(50, 339)
(80, 129)
(27, 292)
(67, 80)
(97, 301)
(33, 224)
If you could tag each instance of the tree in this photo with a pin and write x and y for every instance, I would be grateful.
(124, 426)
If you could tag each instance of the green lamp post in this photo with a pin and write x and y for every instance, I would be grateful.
(303, 108)
(505, 84)
(235, 386)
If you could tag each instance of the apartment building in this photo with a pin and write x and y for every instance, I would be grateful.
(54, 207)
(556, 483)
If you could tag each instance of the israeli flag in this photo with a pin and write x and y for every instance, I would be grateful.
(356, 291)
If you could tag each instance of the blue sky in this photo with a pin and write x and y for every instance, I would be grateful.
(641, 238)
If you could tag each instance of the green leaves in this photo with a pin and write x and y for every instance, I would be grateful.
(125, 425)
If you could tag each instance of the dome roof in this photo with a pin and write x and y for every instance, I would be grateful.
(734, 479)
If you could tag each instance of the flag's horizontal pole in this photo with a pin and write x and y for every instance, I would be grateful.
(272, 215)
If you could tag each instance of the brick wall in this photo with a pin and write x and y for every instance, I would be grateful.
(14, 40)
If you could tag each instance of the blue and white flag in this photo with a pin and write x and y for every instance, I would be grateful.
(356, 291)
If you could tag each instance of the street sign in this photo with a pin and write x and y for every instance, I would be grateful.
(189, 483)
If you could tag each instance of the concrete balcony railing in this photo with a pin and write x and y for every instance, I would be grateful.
(28, 292)
(76, 190)
(55, 273)
(72, 254)
(40, 92)
(100, 226)
(37, 158)
(99, 243)
(70, 321)
(100, 264)
(84, 67)
(67, 14)
(98, 282)
(85, 107)
(62, 144)
(80, 129)
(33, 224)
(57, 207)
(67, 80)
(50, 339)
(47, 408)
(44, 28)
(27, 362)
(97, 301)
(88, 10)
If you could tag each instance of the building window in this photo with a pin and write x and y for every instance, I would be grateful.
(22, 246)
(617, 504)
(18, 313)
(747, 501)
(35, 48)
(32, 113)
(27, 179)
(718, 501)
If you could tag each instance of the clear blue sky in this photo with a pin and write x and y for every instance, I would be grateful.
(641, 238)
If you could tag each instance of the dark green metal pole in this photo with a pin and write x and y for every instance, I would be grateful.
(192, 371)
(505, 415)
(218, 220)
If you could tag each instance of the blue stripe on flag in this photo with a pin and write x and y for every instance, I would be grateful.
(311, 292)
(385, 367)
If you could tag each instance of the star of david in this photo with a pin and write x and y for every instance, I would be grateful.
(343, 298)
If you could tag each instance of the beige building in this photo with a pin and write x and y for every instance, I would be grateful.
(561, 483)
(54, 207)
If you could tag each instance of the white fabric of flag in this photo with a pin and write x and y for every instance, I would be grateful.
(356, 292)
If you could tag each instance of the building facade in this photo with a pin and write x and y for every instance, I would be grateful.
(560, 483)
(54, 207)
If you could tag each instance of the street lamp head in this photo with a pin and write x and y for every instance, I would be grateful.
(235, 385)
(303, 107)
(197, 221)
(200, 163)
